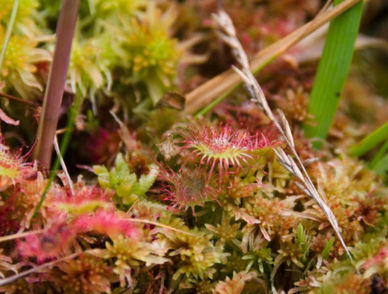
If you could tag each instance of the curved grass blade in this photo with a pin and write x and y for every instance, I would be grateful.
(381, 167)
(379, 155)
(370, 141)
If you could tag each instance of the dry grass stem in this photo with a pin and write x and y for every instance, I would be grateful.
(228, 34)
(144, 221)
(63, 165)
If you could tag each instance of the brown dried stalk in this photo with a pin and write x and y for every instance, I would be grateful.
(228, 80)
(228, 34)
(56, 82)
(17, 99)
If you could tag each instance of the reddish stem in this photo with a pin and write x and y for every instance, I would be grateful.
(56, 82)
(10, 97)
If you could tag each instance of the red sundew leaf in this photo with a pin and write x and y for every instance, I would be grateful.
(222, 147)
(60, 235)
(104, 222)
(55, 240)
(186, 188)
(85, 199)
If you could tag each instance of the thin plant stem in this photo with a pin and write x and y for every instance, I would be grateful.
(56, 82)
(63, 165)
(17, 99)
(144, 221)
(8, 33)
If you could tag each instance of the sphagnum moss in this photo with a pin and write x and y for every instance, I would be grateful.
(177, 205)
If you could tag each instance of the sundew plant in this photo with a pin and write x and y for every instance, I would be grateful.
(224, 147)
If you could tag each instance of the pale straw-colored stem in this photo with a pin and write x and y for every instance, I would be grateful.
(228, 34)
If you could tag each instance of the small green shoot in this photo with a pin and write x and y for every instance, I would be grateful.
(301, 236)
(124, 182)
(302, 242)
(327, 249)
(259, 257)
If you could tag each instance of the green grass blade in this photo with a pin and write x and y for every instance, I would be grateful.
(8, 33)
(332, 71)
(327, 249)
(370, 141)
(381, 167)
(379, 155)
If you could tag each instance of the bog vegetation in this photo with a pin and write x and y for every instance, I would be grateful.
(139, 154)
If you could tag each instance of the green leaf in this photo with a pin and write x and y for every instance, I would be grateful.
(146, 181)
(301, 239)
(381, 167)
(301, 235)
(332, 71)
(327, 249)
(370, 141)
(103, 175)
(124, 182)
(379, 155)
(302, 242)
(155, 88)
